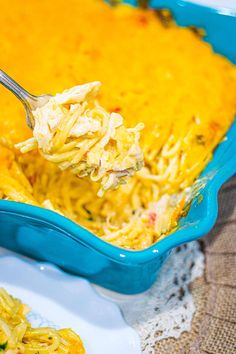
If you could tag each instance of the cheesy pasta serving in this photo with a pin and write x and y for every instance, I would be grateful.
(152, 72)
(75, 133)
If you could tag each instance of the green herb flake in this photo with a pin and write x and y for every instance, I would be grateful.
(200, 198)
(199, 32)
(200, 139)
(165, 16)
(3, 346)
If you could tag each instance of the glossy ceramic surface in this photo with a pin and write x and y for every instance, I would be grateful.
(59, 300)
(48, 236)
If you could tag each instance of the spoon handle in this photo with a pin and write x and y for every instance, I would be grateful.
(28, 100)
(15, 88)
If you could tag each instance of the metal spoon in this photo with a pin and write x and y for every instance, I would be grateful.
(29, 101)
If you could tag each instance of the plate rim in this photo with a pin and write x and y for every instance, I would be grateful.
(43, 268)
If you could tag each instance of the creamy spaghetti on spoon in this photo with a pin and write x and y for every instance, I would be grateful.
(76, 133)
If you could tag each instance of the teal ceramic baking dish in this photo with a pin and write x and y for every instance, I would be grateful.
(47, 236)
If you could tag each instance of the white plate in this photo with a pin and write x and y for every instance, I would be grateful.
(67, 301)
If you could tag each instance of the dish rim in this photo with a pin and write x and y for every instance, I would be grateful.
(136, 257)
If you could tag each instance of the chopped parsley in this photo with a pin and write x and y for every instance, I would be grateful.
(200, 198)
(199, 32)
(3, 346)
(200, 139)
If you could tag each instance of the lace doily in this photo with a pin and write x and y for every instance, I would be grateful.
(167, 309)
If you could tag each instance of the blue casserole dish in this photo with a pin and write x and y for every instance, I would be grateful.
(47, 236)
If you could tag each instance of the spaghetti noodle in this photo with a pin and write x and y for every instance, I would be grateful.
(75, 133)
(18, 337)
(163, 76)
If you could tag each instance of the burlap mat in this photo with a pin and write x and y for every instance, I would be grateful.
(214, 324)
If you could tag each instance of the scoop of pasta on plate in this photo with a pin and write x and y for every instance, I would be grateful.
(18, 337)
(76, 133)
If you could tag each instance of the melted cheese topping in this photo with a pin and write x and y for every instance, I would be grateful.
(75, 133)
